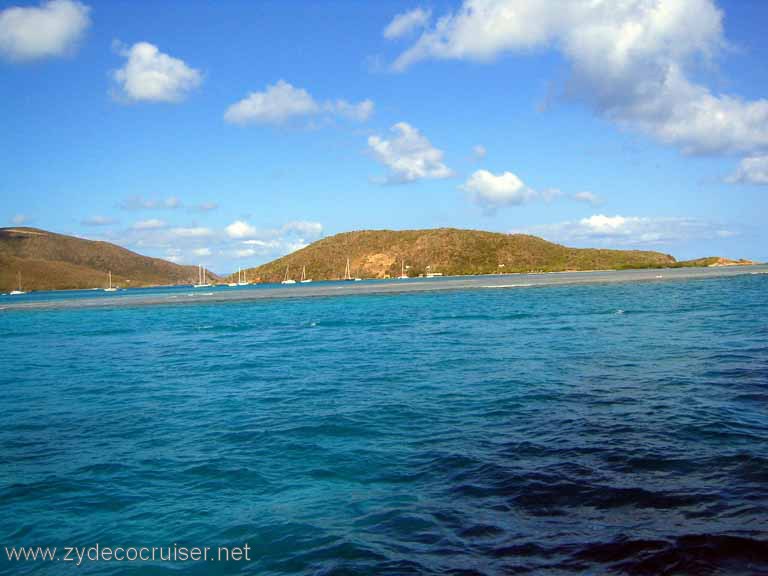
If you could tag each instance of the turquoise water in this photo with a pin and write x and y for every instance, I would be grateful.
(570, 429)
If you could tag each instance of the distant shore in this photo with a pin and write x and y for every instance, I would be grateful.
(395, 286)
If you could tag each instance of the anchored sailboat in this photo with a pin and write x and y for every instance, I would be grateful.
(288, 280)
(304, 278)
(403, 275)
(233, 284)
(348, 274)
(109, 287)
(202, 280)
(431, 274)
(242, 280)
(19, 291)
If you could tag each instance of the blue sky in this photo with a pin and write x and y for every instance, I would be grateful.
(232, 133)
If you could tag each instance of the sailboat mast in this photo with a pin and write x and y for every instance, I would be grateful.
(19, 276)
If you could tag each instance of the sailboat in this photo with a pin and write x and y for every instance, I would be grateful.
(202, 281)
(233, 284)
(304, 278)
(19, 291)
(242, 280)
(348, 275)
(431, 274)
(403, 275)
(109, 287)
(287, 280)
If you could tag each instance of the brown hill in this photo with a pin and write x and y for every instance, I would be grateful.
(49, 261)
(449, 251)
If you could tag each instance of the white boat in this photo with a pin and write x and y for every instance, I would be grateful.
(403, 275)
(288, 280)
(234, 284)
(109, 287)
(242, 278)
(19, 291)
(348, 275)
(202, 280)
(304, 278)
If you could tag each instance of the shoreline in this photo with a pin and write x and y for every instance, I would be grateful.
(393, 286)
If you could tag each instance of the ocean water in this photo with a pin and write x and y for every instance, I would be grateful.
(582, 429)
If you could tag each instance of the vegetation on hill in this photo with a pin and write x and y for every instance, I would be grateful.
(712, 261)
(449, 251)
(49, 261)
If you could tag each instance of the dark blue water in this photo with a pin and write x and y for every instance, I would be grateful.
(578, 429)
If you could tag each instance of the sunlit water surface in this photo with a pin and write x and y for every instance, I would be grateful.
(572, 429)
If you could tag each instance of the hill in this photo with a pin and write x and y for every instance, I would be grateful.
(49, 261)
(449, 251)
(714, 261)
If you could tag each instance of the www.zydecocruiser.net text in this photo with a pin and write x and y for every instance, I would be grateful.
(78, 555)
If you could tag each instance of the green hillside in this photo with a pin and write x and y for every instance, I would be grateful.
(49, 261)
(379, 253)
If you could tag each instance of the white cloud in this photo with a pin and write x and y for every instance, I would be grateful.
(98, 221)
(150, 75)
(261, 243)
(492, 191)
(752, 170)
(20, 219)
(275, 105)
(244, 253)
(409, 156)
(551, 194)
(600, 229)
(51, 29)
(295, 245)
(304, 228)
(152, 224)
(205, 207)
(139, 203)
(406, 23)
(240, 229)
(238, 240)
(588, 197)
(191, 232)
(282, 102)
(173, 255)
(630, 61)
(359, 112)
(479, 152)
(601, 224)
(274, 242)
